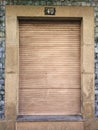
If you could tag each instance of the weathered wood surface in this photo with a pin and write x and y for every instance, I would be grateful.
(49, 101)
(49, 68)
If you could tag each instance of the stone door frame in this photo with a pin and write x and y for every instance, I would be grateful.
(86, 16)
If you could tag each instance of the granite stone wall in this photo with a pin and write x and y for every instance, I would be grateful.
(3, 3)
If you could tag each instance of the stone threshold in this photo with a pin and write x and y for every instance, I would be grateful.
(50, 118)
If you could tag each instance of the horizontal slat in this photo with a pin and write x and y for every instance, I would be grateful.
(38, 80)
(38, 25)
(48, 41)
(51, 53)
(41, 43)
(55, 47)
(49, 101)
(50, 34)
(50, 69)
(43, 40)
(47, 69)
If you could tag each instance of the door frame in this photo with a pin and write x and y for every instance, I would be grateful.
(86, 16)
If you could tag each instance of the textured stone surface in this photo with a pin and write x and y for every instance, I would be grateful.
(87, 83)
(12, 77)
(49, 126)
(93, 3)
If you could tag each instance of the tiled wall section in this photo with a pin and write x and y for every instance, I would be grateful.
(93, 3)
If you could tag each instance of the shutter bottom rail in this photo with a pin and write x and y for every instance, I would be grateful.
(49, 118)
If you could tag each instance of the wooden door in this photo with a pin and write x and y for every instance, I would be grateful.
(49, 62)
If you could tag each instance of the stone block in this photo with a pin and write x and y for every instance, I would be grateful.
(2, 125)
(88, 87)
(50, 125)
(11, 59)
(97, 29)
(88, 59)
(10, 125)
(11, 26)
(11, 92)
(96, 113)
(88, 110)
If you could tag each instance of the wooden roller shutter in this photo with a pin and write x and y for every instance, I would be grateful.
(49, 76)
